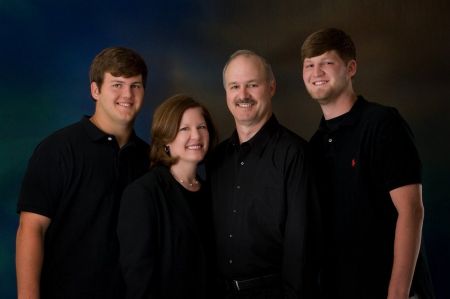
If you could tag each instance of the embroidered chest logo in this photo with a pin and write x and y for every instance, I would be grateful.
(353, 163)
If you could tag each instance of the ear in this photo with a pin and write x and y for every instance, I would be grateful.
(167, 149)
(351, 68)
(273, 87)
(95, 91)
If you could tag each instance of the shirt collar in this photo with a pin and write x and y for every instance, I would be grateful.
(96, 134)
(350, 118)
(258, 141)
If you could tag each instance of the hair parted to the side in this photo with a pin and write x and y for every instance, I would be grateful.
(326, 40)
(118, 61)
(267, 67)
(166, 123)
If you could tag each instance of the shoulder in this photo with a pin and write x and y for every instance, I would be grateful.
(288, 136)
(377, 113)
(61, 140)
(141, 144)
(289, 143)
(219, 150)
(157, 178)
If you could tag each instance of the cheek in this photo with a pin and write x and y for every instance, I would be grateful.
(305, 75)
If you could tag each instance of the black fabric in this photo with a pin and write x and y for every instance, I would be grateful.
(359, 157)
(165, 235)
(262, 206)
(76, 177)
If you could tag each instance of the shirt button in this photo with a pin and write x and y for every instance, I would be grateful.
(238, 187)
(242, 163)
(234, 211)
(230, 236)
(330, 140)
(230, 261)
(109, 138)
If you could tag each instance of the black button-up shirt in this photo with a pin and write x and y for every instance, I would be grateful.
(261, 192)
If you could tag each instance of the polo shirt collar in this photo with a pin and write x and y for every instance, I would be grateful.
(350, 118)
(96, 134)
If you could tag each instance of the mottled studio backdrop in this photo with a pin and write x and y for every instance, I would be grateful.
(46, 48)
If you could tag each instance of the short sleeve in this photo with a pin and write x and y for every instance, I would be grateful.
(397, 159)
(43, 181)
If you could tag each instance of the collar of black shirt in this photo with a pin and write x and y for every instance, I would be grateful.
(257, 142)
(347, 119)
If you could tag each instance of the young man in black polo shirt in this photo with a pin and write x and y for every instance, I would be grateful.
(370, 176)
(260, 183)
(66, 241)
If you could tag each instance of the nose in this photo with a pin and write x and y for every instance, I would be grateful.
(317, 70)
(243, 92)
(195, 134)
(126, 91)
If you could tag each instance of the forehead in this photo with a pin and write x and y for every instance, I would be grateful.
(193, 114)
(244, 67)
(133, 79)
(327, 55)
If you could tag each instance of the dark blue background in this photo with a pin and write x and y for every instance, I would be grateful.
(47, 46)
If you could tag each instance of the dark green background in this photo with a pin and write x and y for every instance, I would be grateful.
(47, 46)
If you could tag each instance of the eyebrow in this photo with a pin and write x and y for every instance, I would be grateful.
(122, 81)
(246, 82)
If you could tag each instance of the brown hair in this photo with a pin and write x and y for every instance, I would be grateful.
(329, 39)
(267, 67)
(166, 123)
(118, 61)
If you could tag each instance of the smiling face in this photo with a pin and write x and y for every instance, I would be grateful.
(117, 101)
(249, 91)
(327, 77)
(191, 142)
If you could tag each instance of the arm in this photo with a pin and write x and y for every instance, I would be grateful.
(408, 202)
(302, 232)
(137, 240)
(30, 253)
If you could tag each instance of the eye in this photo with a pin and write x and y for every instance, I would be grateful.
(117, 85)
(202, 127)
(136, 86)
(183, 129)
(252, 85)
(232, 87)
(307, 65)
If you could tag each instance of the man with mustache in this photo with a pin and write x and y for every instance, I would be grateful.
(261, 191)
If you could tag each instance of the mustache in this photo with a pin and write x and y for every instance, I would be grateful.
(244, 101)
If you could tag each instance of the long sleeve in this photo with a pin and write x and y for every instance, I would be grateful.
(137, 232)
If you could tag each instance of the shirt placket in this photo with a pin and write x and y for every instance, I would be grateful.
(238, 200)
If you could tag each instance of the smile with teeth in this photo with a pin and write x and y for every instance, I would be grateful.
(320, 83)
(126, 105)
(244, 105)
(194, 147)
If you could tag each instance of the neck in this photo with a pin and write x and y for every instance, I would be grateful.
(121, 132)
(186, 175)
(339, 106)
(247, 131)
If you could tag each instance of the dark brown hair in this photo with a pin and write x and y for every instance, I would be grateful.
(118, 61)
(166, 123)
(326, 40)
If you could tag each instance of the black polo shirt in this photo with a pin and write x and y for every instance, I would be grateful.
(261, 190)
(76, 177)
(360, 157)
